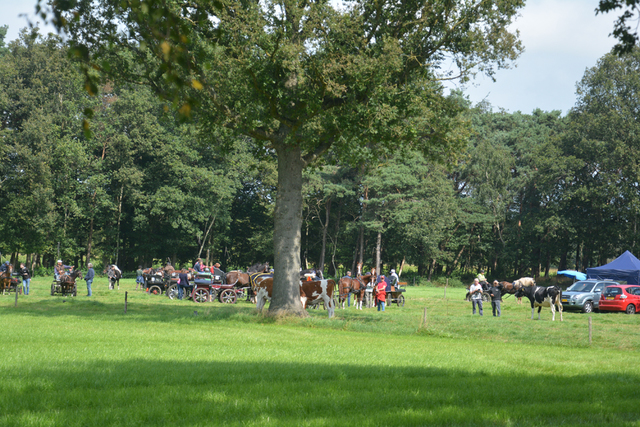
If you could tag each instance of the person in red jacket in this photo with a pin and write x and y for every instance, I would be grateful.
(381, 293)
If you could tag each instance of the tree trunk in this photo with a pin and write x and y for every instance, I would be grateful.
(355, 256)
(404, 259)
(206, 234)
(378, 247)
(333, 270)
(119, 219)
(361, 244)
(286, 235)
(325, 227)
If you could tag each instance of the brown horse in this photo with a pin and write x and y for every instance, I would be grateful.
(6, 280)
(351, 285)
(70, 278)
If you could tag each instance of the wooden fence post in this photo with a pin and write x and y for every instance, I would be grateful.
(423, 324)
(126, 294)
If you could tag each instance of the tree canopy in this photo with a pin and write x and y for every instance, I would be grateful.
(303, 78)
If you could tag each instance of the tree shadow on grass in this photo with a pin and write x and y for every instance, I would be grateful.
(165, 311)
(192, 393)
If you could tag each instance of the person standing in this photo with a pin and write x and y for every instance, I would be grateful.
(89, 278)
(183, 283)
(476, 296)
(381, 293)
(495, 298)
(26, 278)
(139, 278)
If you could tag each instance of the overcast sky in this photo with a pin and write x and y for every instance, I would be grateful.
(562, 38)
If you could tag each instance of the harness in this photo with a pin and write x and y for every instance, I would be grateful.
(254, 276)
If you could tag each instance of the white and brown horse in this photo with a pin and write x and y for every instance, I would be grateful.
(114, 275)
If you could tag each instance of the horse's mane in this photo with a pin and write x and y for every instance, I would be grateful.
(258, 268)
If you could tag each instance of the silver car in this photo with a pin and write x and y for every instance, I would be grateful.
(584, 295)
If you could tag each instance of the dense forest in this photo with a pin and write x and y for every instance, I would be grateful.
(529, 192)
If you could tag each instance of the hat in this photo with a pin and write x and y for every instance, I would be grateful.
(59, 261)
(393, 271)
(382, 275)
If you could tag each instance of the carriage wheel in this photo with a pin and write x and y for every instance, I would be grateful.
(75, 290)
(53, 289)
(200, 295)
(486, 297)
(172, 292)
(228, 296)
(400, 301)
(155, 290)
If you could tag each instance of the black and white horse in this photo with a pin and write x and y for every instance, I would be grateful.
(539, 296)
(114, 274)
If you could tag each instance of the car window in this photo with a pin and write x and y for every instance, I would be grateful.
(599, 287)
(611, 291)
(580, 287)
(634, 290)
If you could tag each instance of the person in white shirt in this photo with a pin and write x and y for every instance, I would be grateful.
(476, 296)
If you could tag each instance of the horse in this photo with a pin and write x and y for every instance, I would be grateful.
(351, 285)
(258, 268)
(114, 274)
(6, 279)
(70, 278)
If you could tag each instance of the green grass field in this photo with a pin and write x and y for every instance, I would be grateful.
(82, 361)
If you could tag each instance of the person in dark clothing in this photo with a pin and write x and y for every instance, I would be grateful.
(198, 265)
(89, 278)
(495, 298)
(26, 278)
(183, 283)
(4, 267)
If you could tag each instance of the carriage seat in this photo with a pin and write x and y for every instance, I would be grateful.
(202, 282)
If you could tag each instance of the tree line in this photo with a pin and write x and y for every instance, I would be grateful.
(528, 193)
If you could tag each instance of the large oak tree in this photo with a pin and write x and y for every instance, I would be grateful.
(301, 77)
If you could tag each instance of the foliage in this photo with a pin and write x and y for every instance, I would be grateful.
(626, 35)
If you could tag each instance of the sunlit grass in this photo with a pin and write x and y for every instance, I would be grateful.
(82, 361)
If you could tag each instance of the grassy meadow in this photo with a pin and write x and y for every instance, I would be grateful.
(82, 361)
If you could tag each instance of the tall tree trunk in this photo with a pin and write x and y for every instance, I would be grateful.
(325, 227)
(119, 220)
(206, 234)
(404, 259)
(355, 255)
(333, 270)
(286, 235)
(378, 248)
(364, 209)
(547, 266)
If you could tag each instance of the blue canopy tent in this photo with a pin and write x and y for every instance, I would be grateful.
(625, 268)
(572, 273)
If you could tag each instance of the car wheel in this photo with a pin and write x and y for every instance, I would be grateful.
(587, 307)
(631, 309)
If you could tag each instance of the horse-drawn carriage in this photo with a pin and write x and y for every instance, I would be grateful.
(394, 296)
(9, 283)
(66, 284)
(157, 282)
(206, 287)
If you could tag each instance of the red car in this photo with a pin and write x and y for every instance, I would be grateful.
(620, 298)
